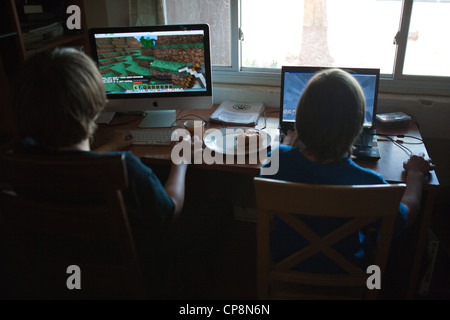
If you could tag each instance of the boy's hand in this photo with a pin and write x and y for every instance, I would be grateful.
(418, 164)
(197, 150)
(119, 141)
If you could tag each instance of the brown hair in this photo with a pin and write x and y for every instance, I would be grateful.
(57, 97)
(330, 114)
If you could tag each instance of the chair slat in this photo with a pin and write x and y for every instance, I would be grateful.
(327, 200)
(72, 173)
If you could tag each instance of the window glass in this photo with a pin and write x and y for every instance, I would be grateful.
(428, 46)
(216, 13)
(344, 33)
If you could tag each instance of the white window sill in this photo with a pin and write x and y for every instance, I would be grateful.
(420, 85)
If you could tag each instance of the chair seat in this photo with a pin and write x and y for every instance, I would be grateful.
(41, 237)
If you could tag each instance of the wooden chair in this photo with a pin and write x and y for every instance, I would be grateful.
(361, 204)
(59, 211)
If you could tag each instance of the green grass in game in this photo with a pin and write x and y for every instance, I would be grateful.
(119, 69)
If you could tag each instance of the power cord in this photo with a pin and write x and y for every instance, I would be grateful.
(400, 143)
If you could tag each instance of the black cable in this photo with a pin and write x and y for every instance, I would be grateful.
(402, 147)
(191, 114)
(407, 136)
(398, 136)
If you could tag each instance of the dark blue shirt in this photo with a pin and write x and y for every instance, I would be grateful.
(149, 207)
(294, 167)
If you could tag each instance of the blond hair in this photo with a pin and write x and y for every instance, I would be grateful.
(57, 97)
(330, 114)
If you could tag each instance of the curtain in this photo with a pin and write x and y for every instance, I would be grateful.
(147, 12)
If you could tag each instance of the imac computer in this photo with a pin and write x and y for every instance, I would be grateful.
(156, 69)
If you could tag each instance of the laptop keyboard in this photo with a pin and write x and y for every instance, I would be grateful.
(365, 140)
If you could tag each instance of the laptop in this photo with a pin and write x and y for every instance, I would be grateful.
(293, 82)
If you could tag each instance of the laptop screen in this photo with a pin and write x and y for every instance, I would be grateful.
(295, 78)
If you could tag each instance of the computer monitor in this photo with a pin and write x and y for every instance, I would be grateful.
(295, 78)
(156, 69)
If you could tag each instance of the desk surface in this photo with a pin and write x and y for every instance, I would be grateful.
(390, 165)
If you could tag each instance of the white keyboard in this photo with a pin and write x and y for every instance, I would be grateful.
(159, 137)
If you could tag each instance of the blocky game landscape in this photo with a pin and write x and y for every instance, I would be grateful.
(142, 64)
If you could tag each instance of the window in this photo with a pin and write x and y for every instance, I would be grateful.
(428, 47)
(216, 13)
(344, 33)
(252, 39)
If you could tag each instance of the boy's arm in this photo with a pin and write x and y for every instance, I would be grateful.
(119, 141)
(175, 187)
(417, 168)
(289, 138)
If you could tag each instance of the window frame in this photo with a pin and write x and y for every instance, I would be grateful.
(397, 82)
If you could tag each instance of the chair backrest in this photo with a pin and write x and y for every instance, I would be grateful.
(360, 204)
(58, 211)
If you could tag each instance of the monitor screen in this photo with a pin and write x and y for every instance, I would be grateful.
(144, 68)
(294, 80)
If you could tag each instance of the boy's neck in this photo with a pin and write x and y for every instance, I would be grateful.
(81, 146)
(311, 157)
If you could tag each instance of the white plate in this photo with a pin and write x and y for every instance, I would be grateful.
(224, 140)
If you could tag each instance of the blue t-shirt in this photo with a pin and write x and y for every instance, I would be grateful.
(294, 167)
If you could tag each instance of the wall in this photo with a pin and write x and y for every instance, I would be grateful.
(101, 13)
(96, 15)
(432, 112)
(115, 13)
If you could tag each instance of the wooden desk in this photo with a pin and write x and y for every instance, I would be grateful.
(390, 166)
(160, 155)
